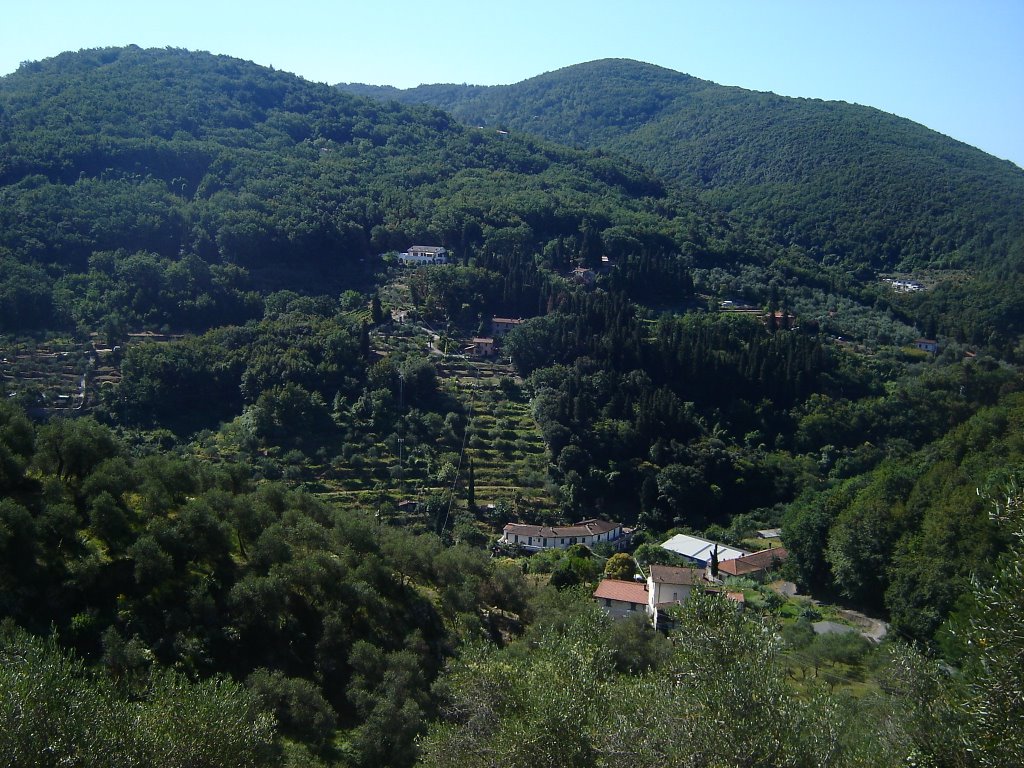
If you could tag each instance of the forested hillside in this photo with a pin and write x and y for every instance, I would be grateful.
(847, 181)
(850, 185)
(115, 161)
(252, 467)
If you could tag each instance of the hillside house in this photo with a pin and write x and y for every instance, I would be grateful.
(422, 255)
(481, 347)
(501, 326)
(698, 551)
(534, 538)
(927, 345)
(621, 599)
(666, 586)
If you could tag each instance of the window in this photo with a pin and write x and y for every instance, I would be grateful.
(607, 602)
(632, 606)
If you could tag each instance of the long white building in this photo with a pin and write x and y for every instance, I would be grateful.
(534, 538)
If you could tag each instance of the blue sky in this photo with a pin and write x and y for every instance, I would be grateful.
(957, 67)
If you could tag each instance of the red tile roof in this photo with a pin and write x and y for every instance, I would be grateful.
(755, 562)
(625, 591)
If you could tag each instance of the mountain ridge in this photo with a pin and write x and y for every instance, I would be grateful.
(770, 157)
(439, 91)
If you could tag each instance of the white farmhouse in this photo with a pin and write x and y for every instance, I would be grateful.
(534, 538)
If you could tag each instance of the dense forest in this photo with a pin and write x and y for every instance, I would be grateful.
(266, 497)
(845, 181)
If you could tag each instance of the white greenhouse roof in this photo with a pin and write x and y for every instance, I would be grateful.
(695, 548)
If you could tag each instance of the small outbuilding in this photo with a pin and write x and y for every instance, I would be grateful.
(756, 565)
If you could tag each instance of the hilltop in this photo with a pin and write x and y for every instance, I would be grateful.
(855, 188)
(814, 169)
(191, 156)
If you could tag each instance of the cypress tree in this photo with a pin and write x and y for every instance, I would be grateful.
(471, 489)
(376, 311)
(364, 341)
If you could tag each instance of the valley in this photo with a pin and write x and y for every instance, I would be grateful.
(260, 429)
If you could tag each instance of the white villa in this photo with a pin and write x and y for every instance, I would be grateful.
(534, 538)
(419, 255)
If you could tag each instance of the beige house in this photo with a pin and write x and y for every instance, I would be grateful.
(481, 347)
(621, 599)
(665, 587)
(668, 586)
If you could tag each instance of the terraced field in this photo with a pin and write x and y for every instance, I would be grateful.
(57, 375)
(489, 424)
(484, 420)
(509, 457)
